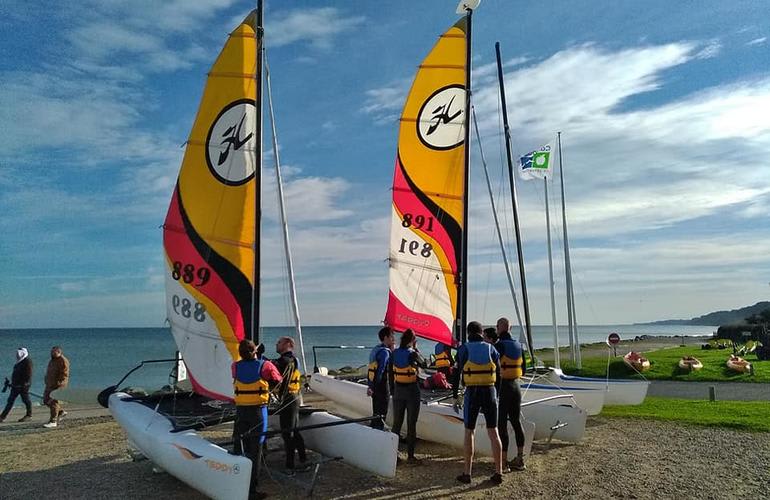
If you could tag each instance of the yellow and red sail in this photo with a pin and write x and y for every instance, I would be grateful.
(208, 235)
(429, 194)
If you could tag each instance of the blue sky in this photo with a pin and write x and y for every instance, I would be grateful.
(662, 107)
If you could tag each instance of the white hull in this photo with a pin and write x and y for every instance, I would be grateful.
(590, 399)
(616, 391)
(439, 423)
(345, 441)
(201, 464)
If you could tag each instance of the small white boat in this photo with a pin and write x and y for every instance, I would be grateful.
(636, 361)
(616, 391)
(738, 364)
(690, 363)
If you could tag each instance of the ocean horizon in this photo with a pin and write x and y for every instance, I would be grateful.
(100, 357)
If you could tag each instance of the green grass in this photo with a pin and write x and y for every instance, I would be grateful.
(664, 365)
(745, 415)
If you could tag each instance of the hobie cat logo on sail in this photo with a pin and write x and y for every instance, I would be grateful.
(230, 143)
(441, 121)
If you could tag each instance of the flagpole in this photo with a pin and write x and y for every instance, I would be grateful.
(556, 358)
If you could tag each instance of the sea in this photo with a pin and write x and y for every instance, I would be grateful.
(100, 357)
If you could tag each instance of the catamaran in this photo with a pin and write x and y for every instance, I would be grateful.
(428, 240)
(211, 238)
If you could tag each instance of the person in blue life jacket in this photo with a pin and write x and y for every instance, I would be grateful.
(512, 367)
(406, 392)
(289, 399)
(478, 364)
(379, 376)
(252, 379)
(443, 359)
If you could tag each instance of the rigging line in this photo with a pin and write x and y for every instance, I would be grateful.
(494, 215)
(284, 220)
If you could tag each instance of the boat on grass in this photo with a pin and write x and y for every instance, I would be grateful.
(636, 361)
(690, 364)
(738, 364)
(211, 238)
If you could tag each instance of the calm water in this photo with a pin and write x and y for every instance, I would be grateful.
(99, 357)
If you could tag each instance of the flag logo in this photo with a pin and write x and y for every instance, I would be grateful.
(537, 164)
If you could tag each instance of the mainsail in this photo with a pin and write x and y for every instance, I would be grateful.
(429, 190)
(209, 232)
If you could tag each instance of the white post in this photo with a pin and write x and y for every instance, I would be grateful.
(556, 358)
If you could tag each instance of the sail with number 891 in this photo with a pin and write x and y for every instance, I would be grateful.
(429, 193)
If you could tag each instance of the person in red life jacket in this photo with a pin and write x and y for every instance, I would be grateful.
(380, 376)
(443, 359)
(252, 376)
(21, 380)
(512, 367)
(478, 364)
(406, 392)
(290, 400)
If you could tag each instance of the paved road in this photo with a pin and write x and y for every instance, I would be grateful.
(734, 391)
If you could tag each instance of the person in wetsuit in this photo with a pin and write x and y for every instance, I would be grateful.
(406, 393)
(478, 364)
(512, 367)
(379, 377)
(21, 380)
(289, 400)
(252, 376)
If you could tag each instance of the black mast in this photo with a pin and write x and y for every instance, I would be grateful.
(258, 35)
(462, 317)
(514, 203)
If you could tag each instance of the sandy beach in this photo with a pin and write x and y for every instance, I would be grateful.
(87, 456)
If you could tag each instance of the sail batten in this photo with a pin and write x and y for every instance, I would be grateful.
(209, 231)
(427, 221)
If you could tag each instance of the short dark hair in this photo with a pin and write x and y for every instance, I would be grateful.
(406, 338)
(385, 331)
(474, 327)
(491, 333)
(247, 349)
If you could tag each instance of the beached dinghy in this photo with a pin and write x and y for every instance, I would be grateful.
(690, 363)
(636, 361)
(738, 364)
(212, 254)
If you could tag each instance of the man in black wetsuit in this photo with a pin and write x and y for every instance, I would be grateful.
(380, 376)
(512, 367)
(290, 400)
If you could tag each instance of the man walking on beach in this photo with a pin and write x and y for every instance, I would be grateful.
(21, 379)
(380, 376)
(56, 377)
(512, 367)
(289, 397)
(252, 377)
(479, 365)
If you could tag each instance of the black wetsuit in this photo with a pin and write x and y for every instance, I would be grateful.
(406, 399)
(510, 403)
(288, 412)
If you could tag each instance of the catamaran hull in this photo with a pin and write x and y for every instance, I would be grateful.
(185, 455)
(590, 399)
(346, 441)
(439, 423)
(617, 391)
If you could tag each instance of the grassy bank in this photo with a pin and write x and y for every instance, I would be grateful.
(744, 415)
(665, 366)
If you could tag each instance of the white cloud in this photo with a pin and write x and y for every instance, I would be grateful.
(318, 26)
(757, 41)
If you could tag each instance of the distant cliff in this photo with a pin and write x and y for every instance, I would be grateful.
(719, 317)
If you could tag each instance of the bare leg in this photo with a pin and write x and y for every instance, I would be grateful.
(468, 450)
(497, 449)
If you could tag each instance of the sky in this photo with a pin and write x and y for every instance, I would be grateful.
(662, 107)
